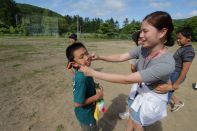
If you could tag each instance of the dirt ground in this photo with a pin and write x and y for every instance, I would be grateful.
(36, 90)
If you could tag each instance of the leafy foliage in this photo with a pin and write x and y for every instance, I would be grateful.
(24, 19)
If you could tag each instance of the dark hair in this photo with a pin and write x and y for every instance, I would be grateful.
(160, 20)
(71, 49)
(186, 31)
(73, 36)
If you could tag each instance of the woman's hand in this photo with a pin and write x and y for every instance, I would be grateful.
(94, 56)
(163, 88)
(86, 70)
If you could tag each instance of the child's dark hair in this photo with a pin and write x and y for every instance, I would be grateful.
(71, 49)
(73, 36)
(135, 36)
(186, 31)
(160, 20)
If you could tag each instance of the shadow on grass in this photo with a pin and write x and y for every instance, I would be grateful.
(110, 118)
(154, 127)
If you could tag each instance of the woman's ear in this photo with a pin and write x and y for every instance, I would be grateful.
(163, 33)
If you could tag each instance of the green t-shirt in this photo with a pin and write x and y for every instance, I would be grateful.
(84, 88)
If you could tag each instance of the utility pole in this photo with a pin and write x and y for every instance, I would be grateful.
(77, 25)
(16, 19)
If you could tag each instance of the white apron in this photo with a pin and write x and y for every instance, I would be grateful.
(152, 106)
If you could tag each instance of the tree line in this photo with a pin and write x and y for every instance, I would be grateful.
(24, 19)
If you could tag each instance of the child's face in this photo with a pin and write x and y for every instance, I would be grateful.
(71, 41)
(81, 57)
(182, 40)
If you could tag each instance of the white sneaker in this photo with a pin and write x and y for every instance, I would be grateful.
(124, 115)
(194, 85)
(177, 106)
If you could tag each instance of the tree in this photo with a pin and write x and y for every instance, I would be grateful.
(191, 22)
(8, 12)
(62, 26)
(131, 27)
(117, 26)
(125, 22)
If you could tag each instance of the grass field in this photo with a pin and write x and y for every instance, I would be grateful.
(36, 90)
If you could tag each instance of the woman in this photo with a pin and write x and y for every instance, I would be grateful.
(155, 64)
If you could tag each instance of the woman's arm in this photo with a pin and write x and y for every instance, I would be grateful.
(163, 88)
(115, 78)
(112, 58)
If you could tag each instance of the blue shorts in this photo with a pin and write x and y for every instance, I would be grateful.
(173, 77)
(135, 116)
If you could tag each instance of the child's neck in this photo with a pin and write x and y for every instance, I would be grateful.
(186, 44)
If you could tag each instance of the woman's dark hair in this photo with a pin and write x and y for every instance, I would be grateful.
(71, 49)
(160, 20)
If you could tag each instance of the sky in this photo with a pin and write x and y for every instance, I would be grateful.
(118, 9)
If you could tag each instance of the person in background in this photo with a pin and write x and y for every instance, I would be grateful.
(72, 38)
(183, 59)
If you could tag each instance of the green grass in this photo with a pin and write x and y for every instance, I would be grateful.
(12, 81)
(29, 75)
(60, 127)
(16, 65)
(18, 48)
(11, 51)
(33, 115)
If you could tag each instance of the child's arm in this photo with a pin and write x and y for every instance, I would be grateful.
(97, 96)
(182, 75)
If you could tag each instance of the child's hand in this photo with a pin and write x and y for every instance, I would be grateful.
(175, 86)
(99, 93)
(68, 66)
(94, 56)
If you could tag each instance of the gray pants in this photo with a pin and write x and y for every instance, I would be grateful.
(91, 127)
